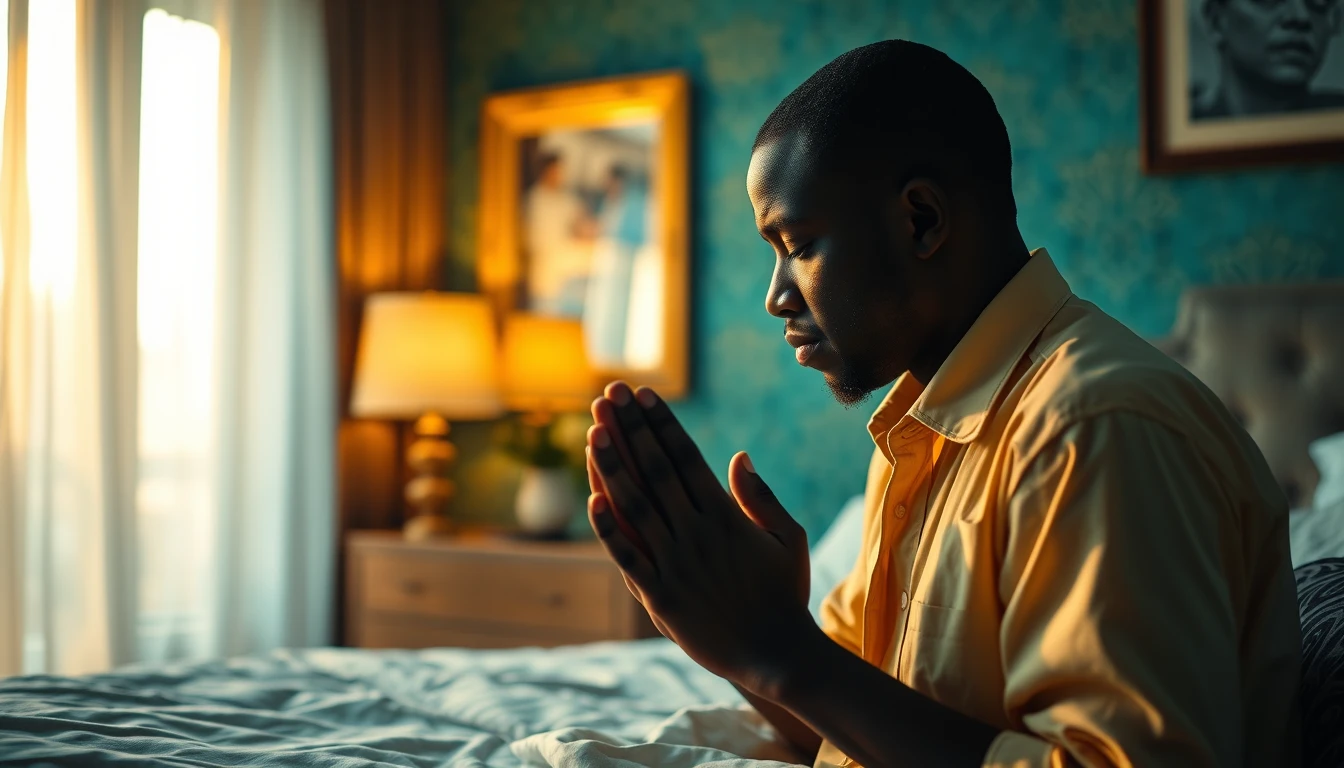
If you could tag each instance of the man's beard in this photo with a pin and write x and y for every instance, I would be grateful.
(851, 385)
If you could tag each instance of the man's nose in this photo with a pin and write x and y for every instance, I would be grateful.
(1295, 13)
(783, 299)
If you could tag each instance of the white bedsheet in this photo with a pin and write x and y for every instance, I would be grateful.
(604, 705)
(1316, 533)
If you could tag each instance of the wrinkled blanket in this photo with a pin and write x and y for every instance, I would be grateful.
(604, 705)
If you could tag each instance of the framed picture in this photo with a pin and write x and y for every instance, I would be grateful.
(1230, 83)
(583, 216)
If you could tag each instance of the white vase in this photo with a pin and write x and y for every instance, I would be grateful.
(546, 501)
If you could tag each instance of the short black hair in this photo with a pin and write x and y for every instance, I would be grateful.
(899, 97)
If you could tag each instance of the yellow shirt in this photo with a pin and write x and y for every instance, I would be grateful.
(1068, 537)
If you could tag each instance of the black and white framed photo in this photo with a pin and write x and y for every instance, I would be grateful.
(1230, 83)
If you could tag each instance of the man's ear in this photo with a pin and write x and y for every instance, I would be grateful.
(926, 214)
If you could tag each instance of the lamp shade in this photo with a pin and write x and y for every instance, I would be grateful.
(427, 352)
(546, 365)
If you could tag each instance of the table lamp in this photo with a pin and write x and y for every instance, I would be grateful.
(546, 371)
(431, 357)
(546, 368)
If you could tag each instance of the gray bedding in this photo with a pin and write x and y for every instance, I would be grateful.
(349, 708)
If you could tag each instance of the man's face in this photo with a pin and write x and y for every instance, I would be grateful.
(551, 175)
(1278, 42)
(855, 299)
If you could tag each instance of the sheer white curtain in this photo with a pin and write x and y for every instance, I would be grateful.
(16, 360)
(166, 389)
(277, 535)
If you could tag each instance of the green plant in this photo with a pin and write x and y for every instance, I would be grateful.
(531, 441)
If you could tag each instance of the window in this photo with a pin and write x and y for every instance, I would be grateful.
(165, 305)
(51, 140)
(176, 265)
(52, 187)
(179, 168)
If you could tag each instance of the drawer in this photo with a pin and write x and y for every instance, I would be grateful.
(387, 631)
(516, 591)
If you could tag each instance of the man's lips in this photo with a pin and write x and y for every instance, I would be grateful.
(1297, 47)
(804, 345)
(805, 352)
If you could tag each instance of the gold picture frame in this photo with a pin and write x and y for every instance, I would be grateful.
(599, 165)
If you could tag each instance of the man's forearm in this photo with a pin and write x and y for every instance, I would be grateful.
(871, 716)
(798, 733)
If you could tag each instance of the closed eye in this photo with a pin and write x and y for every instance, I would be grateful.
(799, 251)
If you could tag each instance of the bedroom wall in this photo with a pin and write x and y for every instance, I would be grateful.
(1065, 76)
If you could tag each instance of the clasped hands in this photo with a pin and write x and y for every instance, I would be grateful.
(725, 576)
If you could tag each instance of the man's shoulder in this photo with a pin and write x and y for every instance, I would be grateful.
(1089, 361)
(1206, 102)
(1090, 376)
(1325, 99)
(1087, 364)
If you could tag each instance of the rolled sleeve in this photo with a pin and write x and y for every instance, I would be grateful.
(1119, 636)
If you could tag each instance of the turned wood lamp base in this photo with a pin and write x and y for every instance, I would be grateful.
(429, 492)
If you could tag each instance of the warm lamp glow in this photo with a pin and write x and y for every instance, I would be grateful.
(546, 367)
(427, 352)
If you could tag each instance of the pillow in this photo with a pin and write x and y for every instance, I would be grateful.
(834, 555)
(1328, 455)
(1318, 531)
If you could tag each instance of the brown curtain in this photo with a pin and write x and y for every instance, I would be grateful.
(388, 74)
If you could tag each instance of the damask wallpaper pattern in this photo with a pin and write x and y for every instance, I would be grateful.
(1065, 76)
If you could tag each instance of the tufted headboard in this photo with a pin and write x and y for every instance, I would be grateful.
(1275, 355)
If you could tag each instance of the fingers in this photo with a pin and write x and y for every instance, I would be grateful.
(594, 479)
(637, 569)
(660, 473)
(763, 508)
(681, 450)
(595, 485)
(624, 495)
(760, 504)
(644, 603)
(604, 412)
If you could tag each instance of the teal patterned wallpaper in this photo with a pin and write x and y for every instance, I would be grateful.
(1065, 76)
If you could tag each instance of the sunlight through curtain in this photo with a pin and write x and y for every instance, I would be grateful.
(167, 418)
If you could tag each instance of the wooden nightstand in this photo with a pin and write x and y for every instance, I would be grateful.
(484, 592)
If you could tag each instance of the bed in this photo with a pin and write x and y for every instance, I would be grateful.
(610, 704)
(1274, 354)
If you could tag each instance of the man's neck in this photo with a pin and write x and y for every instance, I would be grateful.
(1249, 95)
(1000, 266)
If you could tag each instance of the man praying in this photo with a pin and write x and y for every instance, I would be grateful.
(1072, 553)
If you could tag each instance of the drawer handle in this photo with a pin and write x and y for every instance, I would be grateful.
(555, 600)
(412, 587)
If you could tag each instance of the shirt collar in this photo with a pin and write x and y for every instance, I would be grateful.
(957, 400)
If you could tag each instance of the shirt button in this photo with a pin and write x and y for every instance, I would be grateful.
(900, 510)
(905, 600)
